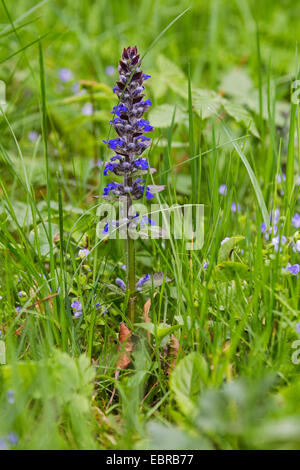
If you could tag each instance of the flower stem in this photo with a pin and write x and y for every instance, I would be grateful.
(130, 253)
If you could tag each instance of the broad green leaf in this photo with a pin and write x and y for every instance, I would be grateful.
(227, 247)
(229, 269)
(2, 352)
(236, 83)
(206, 103)
(161, 116)
(240, 114)
(187, 381)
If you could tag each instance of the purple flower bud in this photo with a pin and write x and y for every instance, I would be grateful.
(87, 109)
(65, 75)
(223, 189)
(120, 283)
(142, 281)
(83, 253)
(296, 220)
(293, 269)
(77, 308)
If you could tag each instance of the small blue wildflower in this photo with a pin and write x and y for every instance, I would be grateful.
(77, 308)
(120, 108)
(281, 179)
(223, 189)
(145, 221)
(205, 265)
(141, 163)
(21, 293)
(235, 207)
(120, 283)
(18, 309)
(114, 143)
(109, 167)
(276, 241)
(87, 109)
(123, 267)
(149, 195)
(13, 438)
(33, 136)
(298, 327)
(296, 247)
(11, 396)
(83, 253)
(293, 269)
(296, 220)
(65, 75)
(75, 88)
(146, 76)
(109, 187)
(142, 281)
(145, 125)
(106, 227)
(110, 70)
(147, 102)
(3, 444)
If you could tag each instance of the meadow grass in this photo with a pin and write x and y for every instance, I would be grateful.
(216, 370)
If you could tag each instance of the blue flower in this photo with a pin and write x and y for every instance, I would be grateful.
(13, 438)
(145, 124)
(83, 253)
(65, 75)
(276, 241)
(293, 269)
(120, 108)
(296, 247)
(110, 70)
(235, 207)
(205, 265)
(77, 308)
(142, 281)
(223, 189)
(109, 167)
(114, 143)
(296, 220)
(33, 136)
(109, 187)
(11, 396)
(146, 76)
(149, 195)
(87, 109)
(141, 163)
(120, 283)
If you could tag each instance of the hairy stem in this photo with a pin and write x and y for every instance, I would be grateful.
(130, 263)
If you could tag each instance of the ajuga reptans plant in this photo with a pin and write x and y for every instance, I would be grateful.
(127, 162)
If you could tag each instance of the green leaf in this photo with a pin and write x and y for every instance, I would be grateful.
(187, 381)
(227, 247)
(161, 331)
(229, 269)
(162, 115)
(206, 103)
(240, 114)
(236, 83)
(2, 352)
